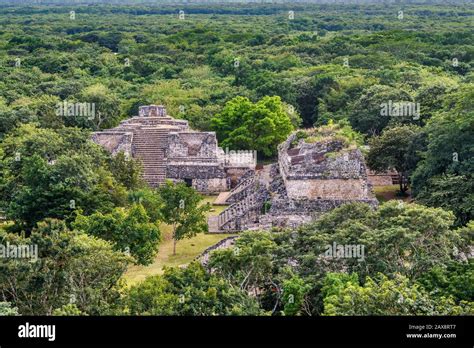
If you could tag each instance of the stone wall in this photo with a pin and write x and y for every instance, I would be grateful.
(327, 189)
(196, 170)
(223, 244)
(282, 220)
(346, 165)
(114, 142)
(192, 145)
(307, 206)
(380, 180)
(307, 187)
(193, 156)
(328, 169)
(152, 111)
(210, 186)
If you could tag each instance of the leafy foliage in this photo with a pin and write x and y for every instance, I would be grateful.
(7, 310)
(130, 230)
(261, 126)
(449, 158)
(46, 173)
(189, 291)
(399, 240)
(71, 268)
(396, 148)
(182, 209)
(127, 171)
(344, 296)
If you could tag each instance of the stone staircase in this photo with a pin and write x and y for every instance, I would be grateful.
(243, 189)
(247, 200)
(149, 145)
(240, 215)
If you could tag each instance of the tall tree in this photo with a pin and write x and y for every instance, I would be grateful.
(127, 171)
(46, 173)
(129, 229)
(247, 126)
(182, 209)
(449, 158)
(366, 115)
(69, 268)
(343, 295)
(189, 291)
(395, 149)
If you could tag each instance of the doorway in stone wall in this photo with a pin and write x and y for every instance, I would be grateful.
(188, 182)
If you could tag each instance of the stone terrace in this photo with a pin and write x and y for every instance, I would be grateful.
(169, 149)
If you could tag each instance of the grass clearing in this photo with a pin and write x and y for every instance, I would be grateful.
(186, 250)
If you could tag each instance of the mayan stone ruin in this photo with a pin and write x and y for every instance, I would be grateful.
(314, 174)
(317, 170)
(169, 149)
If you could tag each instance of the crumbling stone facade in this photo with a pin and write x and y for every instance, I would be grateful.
(169, 149)
(322, 170)
(309, 179)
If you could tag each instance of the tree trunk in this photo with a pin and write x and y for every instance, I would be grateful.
(400, 182)
(403, 182)
(174, 240)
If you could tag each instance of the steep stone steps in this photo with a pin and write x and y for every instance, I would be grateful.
(236, 210)
(243, 189)
(149, 145)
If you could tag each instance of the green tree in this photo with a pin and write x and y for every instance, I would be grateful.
(130, 230)
(295, 293)
(127, 171)
(454, 279)
(150, 200)
(261, 126)
(249, 266)
(384, 296)
(7, 310)
(309, 91)
(182, 209)
(394, 149)
(41, 109)
(444, 191)
(449, 157)
(188, 291)
(70, 267)
(397, 237)
(107, 108)
(366, 116)
(46, 173)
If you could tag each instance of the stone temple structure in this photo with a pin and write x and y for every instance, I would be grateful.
(169, 149)
(317, 170)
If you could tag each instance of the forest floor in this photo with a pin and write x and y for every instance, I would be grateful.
(186, 250)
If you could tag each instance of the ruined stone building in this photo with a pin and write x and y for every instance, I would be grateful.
(169, 149)
(317, 170)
